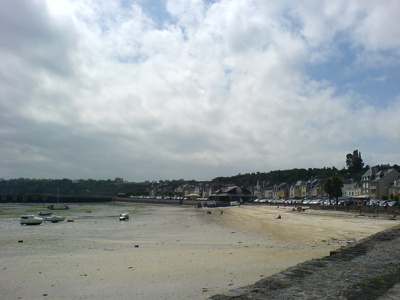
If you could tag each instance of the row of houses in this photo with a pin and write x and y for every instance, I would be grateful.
(376, 182)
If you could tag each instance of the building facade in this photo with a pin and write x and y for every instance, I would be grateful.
(376, 182)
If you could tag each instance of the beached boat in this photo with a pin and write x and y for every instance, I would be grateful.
(124, 217)
(31, 220)
(58, 207)
(54, 219)
(45, 213)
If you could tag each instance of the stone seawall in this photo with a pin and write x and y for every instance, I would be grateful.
(21, 198)
(368, 269)
(156, 201)
(361, 209)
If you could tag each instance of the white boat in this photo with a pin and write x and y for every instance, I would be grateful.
(54, 219)
(31, 220)
(124, 217)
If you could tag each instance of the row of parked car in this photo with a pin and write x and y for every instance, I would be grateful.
(325, 201)
(279, 201)
(320, 201)
(383, 203)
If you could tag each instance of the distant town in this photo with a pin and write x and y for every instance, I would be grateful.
(325, 185)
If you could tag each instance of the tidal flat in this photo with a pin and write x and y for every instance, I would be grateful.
(163, 251)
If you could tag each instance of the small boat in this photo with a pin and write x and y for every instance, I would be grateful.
(57, 207)
(31, 220)
(124, 217)
(54, 219)
(45, 213)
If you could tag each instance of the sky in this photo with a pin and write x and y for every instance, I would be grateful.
(190, 89)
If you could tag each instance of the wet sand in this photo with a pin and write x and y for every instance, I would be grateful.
(163, 252)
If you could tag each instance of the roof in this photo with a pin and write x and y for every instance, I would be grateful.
(233, 191)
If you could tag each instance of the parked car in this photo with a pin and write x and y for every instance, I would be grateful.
(314, 202)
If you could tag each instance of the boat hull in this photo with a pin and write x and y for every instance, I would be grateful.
(54, 219)
(45, 213)
(31, 220)
(31, 223)
(57, 207)
(124, 217)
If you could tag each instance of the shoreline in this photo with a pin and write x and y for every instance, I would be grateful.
(182, 252)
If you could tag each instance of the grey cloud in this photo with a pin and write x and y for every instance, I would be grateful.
(28, 32)
(185, 98)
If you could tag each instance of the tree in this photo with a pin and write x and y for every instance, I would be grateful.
(354, 161)
(333, 187)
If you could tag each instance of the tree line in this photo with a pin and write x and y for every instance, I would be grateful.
(90, 187)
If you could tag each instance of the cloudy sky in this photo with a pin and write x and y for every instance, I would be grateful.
(157, 89)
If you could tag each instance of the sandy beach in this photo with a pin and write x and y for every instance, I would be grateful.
(163, 252)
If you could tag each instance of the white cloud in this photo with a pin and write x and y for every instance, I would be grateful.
(378, 29)
(217, 89)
